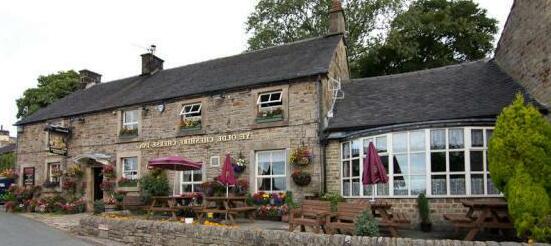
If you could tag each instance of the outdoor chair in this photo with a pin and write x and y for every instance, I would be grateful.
(344, 220)
(311, 213)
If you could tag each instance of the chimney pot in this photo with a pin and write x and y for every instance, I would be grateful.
(337, 23)
(151, 63)
(88, 78)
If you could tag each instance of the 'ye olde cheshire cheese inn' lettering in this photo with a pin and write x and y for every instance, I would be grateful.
(195, 140)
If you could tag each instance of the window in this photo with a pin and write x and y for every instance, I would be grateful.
(129, 123)
(191, 180)
(54, 172)
(438, 162)
(215, 161)
(130, 168)
(269, 100)
(191, 116)
(271, 170)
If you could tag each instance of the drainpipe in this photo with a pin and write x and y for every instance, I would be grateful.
(322, 141)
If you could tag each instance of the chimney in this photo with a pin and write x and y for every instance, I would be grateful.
(150, 63)
(88, 78)
(337, 23)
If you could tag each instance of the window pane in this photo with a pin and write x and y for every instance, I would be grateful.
(264, 163)
(346, 187)
(356, 145)
(197, 176)
(384, 159)
(438, 139)
(477, 184)
(489, 133)
(346, 150)
(476, 161)
(418, 164)
(356, 187)
(418, 185)
(368, 190)
(399, 142)
(366, 144)
(401, 164)
(438, 183)
(356, 168)
(346, 168)
(186, 188)
(382, 189)
(381, 144)
(275, 96)
(457, 161)
(264, 184)
(264, 97)
(186, 176)
(457, 184)
(417, 141)
(279, 184)
(492, 190)
(456, 138)
(438, 162)
(400, 186)
(477, 138)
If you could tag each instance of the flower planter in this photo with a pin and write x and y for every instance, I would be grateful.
(269, 118)
(301, 178)
(188, 129)
(110, 207)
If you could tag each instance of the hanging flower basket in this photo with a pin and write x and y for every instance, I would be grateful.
(301, 156)
(301, 178)
(239, 169)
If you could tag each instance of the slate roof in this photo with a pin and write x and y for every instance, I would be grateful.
(7, 149)
(466, 91)
(295, 60)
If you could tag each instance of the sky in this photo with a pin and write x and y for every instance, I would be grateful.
(107, 37)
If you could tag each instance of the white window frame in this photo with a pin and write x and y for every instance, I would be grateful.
(271, 94)
(124, 171)
(186, 115)
(194, 183)
(428, 174)
(50, 169)
(271, 177)
(130, 124)
(216, 159)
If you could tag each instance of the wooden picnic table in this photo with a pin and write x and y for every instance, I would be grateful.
(230, 207)
(389, 220)
(482, 213)
(169, 204)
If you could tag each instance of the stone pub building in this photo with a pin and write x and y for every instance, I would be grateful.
(431, 127)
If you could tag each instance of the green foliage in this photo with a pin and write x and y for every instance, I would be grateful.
(334, 198)
(520, 164)
(432, 33)
(366, 225)
(99, 207)
(276, 22)
(424, 210)
(7, 161)
(154, 183)
(289, 200)
(50, 88)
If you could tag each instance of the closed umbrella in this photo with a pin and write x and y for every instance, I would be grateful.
(227, 176)
(374, 170)
(175, 163)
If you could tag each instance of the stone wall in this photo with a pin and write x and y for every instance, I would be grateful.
(142, 232)
(524, 50)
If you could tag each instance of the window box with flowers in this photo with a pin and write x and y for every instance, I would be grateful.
(128, 132)
(269, 115)
(189, 125)
(126, 182)
(270, 206)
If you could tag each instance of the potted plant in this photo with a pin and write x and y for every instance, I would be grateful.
(301, 178)
(188, 215)
(108, 171)
(424, 212)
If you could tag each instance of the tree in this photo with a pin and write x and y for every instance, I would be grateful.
(432, 33)
(7, 161)
(50, 88)
(519, 157)
(276, 22)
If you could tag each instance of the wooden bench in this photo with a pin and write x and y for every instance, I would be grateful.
(311, 213)
(133, 203)
(344, 220)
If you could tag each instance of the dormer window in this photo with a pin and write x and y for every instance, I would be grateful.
(129, 126)
(190, 117)
(270, 107)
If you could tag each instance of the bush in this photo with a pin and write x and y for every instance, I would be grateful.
(334, 198)
(154, 183)
(99, 207)
(519, 156)
(366, 225)
(424, 210)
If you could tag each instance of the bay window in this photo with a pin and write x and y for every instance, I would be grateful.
(437, 162)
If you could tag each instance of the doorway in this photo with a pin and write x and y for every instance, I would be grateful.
(98, 178)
